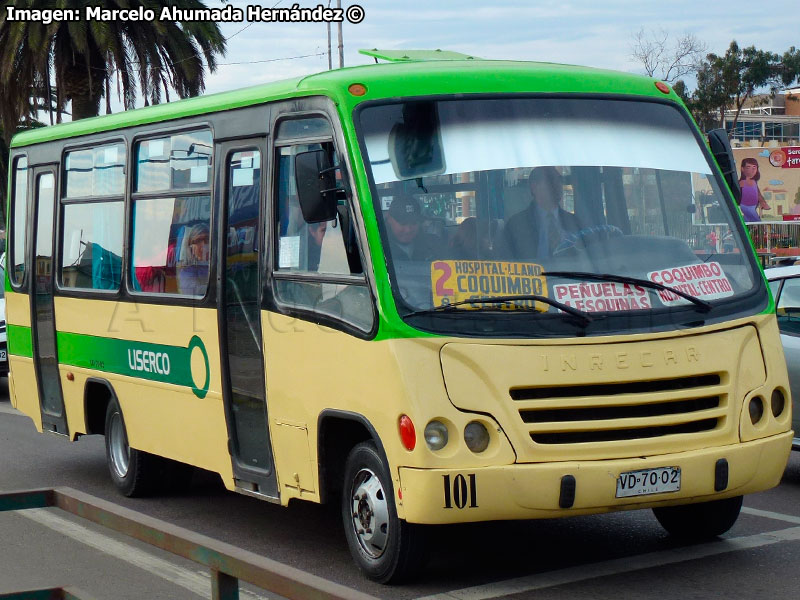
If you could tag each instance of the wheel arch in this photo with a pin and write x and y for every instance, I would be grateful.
(338, 432)
(97, 393)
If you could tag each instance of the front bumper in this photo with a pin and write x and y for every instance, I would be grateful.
(532, 491)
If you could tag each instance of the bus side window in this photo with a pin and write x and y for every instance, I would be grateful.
(92, 217)
(171, 251)
(321, 254)
(19, 205)
(325, 247)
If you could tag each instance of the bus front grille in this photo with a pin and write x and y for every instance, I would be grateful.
(614, 412)
(613, 389)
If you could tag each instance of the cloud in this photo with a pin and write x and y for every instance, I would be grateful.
(584, 32)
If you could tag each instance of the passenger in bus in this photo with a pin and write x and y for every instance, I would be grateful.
(192, 264)
(536, 231)
(406, 240)
(316, 233)
(473, 240)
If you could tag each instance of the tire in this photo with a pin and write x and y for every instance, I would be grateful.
(386, 549)
(699, 521)
(134, 472)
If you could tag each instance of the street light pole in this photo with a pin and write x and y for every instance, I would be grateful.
(330, 58)
(341, 43)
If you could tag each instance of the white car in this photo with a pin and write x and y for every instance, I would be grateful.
(785, 285)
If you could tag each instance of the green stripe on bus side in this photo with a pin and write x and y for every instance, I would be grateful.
(19, 340)
(155, 362)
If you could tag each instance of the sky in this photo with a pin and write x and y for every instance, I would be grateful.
(582, 32)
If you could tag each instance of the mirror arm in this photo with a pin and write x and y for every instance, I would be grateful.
(329, 169)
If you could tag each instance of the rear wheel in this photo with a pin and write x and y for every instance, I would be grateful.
(700, 521)
(385, 548)
(134, 472)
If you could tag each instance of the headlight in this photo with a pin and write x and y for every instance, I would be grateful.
(476, 437)
(436, 435)
(778, 402)
(756, 407)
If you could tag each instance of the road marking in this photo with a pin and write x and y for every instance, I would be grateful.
(194, 581)
(617, 566)
(771, 515)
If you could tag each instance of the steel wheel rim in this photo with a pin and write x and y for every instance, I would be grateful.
(370, 513)
(119, 450)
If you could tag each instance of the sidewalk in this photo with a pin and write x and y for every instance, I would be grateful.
(50, 548)
(46, 548)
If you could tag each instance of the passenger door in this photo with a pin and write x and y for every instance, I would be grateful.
(243, 382)
(45, 353)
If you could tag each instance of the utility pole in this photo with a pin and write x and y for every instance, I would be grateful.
(330, 58)
(341, 43)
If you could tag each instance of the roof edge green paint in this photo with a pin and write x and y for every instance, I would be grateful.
(388, 80)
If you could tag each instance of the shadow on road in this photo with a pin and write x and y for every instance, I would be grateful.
(791, 477)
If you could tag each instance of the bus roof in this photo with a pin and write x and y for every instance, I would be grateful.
(416, 55)
(387, 80)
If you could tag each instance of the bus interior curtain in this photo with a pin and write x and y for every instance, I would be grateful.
(106, 268)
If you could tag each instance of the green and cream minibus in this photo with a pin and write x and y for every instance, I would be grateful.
(433, 290)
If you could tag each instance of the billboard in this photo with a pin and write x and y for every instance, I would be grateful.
(776, 176)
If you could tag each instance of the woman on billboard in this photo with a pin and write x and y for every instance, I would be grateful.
(751, 202)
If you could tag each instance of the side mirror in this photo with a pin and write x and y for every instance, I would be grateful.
(315, 176)
(721, 149)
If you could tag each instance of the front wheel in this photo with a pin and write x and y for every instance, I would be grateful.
(700, 521)
(134, 472)
(385, 548)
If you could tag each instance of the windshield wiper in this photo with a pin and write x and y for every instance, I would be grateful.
(583, 317)
(645, 283)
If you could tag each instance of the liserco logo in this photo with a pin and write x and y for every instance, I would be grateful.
(143, 360)
(199, 391)
(155, 362)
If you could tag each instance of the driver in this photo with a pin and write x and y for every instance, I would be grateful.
(538, 230)
(406, 240)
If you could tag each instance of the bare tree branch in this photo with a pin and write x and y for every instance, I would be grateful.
(668, 62)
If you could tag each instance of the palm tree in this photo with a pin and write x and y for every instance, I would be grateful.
(84, 58)
(27, 122)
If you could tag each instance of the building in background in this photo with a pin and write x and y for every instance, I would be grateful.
(767, 121)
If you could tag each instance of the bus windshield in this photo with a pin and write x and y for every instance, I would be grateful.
(486, 204)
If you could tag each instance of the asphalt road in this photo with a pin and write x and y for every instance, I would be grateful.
(623, 555)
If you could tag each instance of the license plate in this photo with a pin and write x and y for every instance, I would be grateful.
(3, 355)
(649, 481)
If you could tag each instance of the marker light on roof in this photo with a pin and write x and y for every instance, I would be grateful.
(662, 87)
(357, 89)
